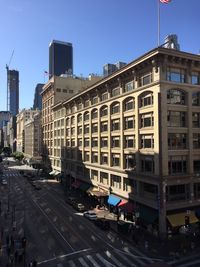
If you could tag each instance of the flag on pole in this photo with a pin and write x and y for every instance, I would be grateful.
(165, 1)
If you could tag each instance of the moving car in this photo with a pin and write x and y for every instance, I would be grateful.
(90, 214)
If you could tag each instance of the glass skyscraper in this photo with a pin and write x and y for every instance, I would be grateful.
(60, 58)
(13, 88)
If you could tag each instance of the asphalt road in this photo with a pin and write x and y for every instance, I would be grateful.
(57, 235)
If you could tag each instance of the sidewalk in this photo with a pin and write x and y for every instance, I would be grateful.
(151, 245)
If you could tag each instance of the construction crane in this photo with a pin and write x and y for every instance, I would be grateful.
(8, 80)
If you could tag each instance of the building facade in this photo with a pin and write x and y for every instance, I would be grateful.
(54, 91)
(33, 138)
(4, 118)
(109, 68)
(37, 102)
(21, 118)
(60, 58)
(136, 133)
(13, 87)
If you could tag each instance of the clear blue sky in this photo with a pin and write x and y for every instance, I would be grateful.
(101, 31)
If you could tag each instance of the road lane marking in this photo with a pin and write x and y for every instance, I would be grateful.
(107, 263)
(64, 256)
(57, 230)
(81, 260)
(93, 261)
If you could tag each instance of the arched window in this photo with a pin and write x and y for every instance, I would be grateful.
(129, 104)
(94, 113)
(146, 99)
(176, 96)
(79, 118)
(115, 108)
(72, 120)
(104, 111)
(86, 116)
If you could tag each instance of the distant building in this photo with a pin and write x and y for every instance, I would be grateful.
(60, 58)
(13, 87)
(11, 133)
(22, 118)
(37, 103)
(4, 118)
(56, 90)
(110, 68)
(33, 138)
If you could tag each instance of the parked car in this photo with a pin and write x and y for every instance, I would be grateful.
(90, 214)
(102, 223)
(79, 206)
(70, 200)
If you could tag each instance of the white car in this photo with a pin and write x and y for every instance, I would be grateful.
(4, 182)
(90, 214)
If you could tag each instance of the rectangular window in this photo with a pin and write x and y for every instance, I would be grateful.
(115, 141)
(196, 166)
(94, 142)
(176, 75)
(145, 79)
(104, 96)
(94, 100)
(104, 142)
(130, 161)
(94, 175)
(80, 129)
(129, 123)
(104, 126)
(195, 119)
(129, 141)
(94, 128)
(80, 143)
(197, 190)
(177, 141)
(147, 164)
(196, 140)
(176, 118)
(115, 92)
(104, 158)
(104, 178)
(116, 125)
(86, 129)
(129, 86)
(116, 181)
(86, 142)
(147, 141)
(86, 156)
(94, 157)
(177, 192)
(147, 120)
(115, 160)
(195, 79)
(177, 165)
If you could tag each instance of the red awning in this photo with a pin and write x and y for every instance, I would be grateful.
(125, 205)
(122, 203)
(76, 184)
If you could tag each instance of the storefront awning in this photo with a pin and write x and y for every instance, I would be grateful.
(84, 186)
(178, 219)
(126, 205)
(113, 200)
(148, 214)
(94, 191)
(76, 184)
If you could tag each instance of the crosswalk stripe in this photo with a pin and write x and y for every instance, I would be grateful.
(71, 263)
(83, 262)
(107, 263)
(126, 259)
(135, 257)
(109, 255)
(92, 261)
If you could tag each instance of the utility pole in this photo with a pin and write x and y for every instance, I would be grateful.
(8, 81)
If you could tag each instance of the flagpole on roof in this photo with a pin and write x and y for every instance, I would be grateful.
(158, 22)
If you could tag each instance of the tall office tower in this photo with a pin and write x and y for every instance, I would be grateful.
(60, 58)
(37, 103)
(110, 68)
(13, 91)
(4, 118)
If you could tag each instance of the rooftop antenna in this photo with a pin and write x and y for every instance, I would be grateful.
(8, 81)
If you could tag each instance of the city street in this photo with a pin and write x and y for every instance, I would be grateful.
(56, 235)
